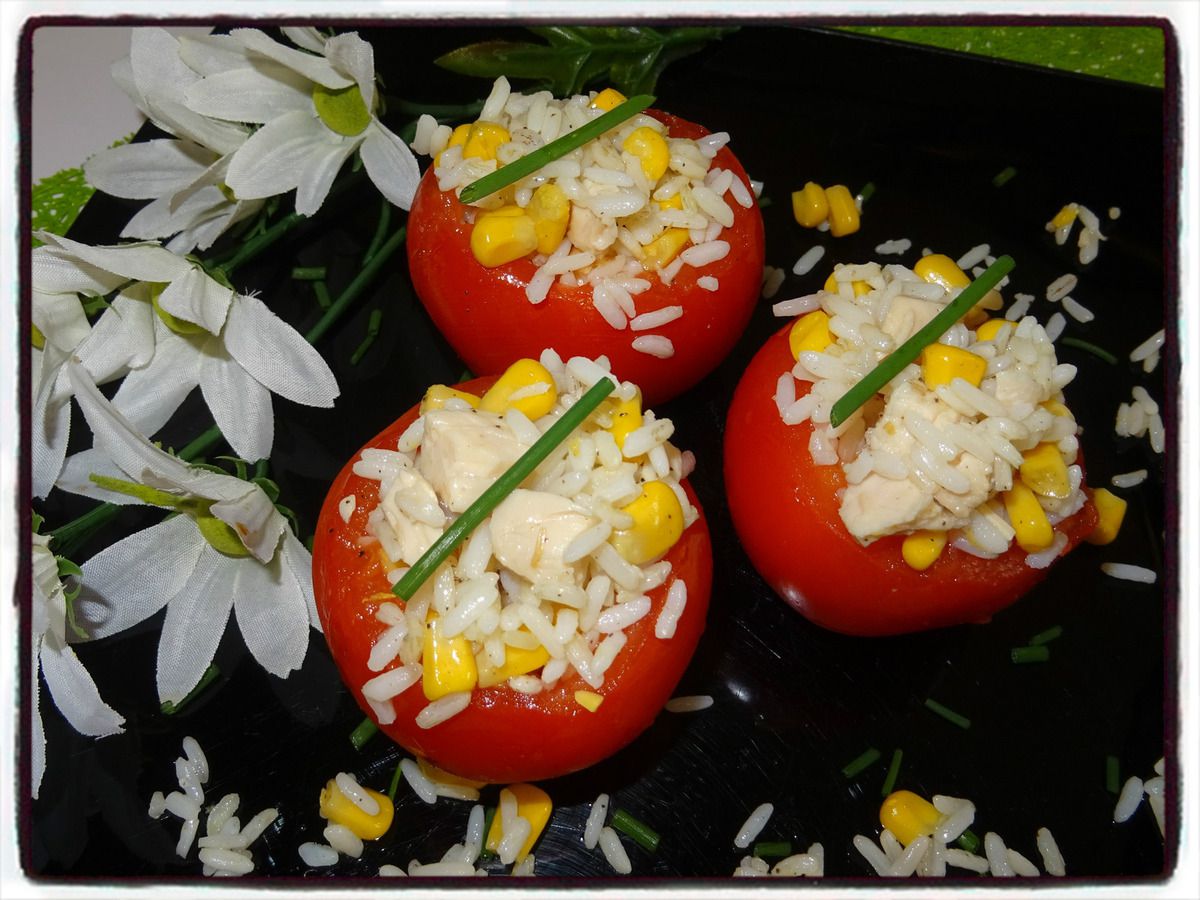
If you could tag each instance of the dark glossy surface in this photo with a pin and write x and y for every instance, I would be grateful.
(793, 703)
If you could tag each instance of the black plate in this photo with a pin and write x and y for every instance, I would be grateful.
(793, 703)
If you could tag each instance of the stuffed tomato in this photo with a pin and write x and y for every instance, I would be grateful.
(645, 245)
(944, 498)
(557, 631)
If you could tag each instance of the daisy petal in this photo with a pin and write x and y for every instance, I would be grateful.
(147, 170)
(149, 396)
(50, 424)
(123, 336)
(391, 165)
(240, 406)
(350, 54)
(320, 168)
(196, 619)
(75, 477)
(296, 557)
(57, 271)
(270, 162)
(252, 94)
(271, 615)
(197, 298)
(254, 517)
(145, 262)
(75, 693)
(315, 68)
(292, 369)
(166, 217)
(37, 740)
(116, 593)
(211, 53)
(60, 318)
(308, 38)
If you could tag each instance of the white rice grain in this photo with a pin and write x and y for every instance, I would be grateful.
(654, 345)
(700, 255)
(974, 256)
(195, 755)
(1077, 310)
(997, 856)
(421, 785)
(773, 278)
(673, 607)
(614, 851)
(182, 805)
(1052, 858)
(655, 318)
(1054, 326)
(257, 825)
(686, 704)
(961, 859)
(346, 507)
(1060, 287)
(227, 861)
(317, 855)
(808, 259)
(753, 825)
(1129, 572)
(708, 283)
(872, 854)
(894, 246)
(187, 833)
(907, 862)
(1020, 865)
(158, 805)
(1129, 799)
(797, 306)
(1019, 307)
(1152, 344)
(443, 708)
(343, 840)
(595, 821)
(516, 833)
(354, 792)
(1129, 479)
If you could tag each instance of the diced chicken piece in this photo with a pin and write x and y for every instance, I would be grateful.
(413, 538)
(906, 316)
(1017, 390)
(463, 452)
(979, 474)
(530, 531)
(588, 231)
(877, 506)
(415, 497)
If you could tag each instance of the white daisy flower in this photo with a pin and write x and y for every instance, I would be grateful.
(315, 111)
(71, 687)
(205, 334)
(229, 550)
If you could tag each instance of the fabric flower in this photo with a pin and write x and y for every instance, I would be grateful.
(315, 111)
(228, 550)
(205, 334)
(71, 687)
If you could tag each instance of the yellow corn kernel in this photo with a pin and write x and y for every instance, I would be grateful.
(458, 137)
(1112, 513)
(843, 212)
(860, 287)
(589, 700)
(517, 661)
(551, 213)
(627, 417)
(988, 329)
(533, 805)
(908, 816)
(341, 810)
(922, 548)
(810, 206)
(657, 525)
(433, 773)
(607, 99)
(1033, 529)
(447, 664)
(438, 394)
(524, 373)
(941, 364)
(650, 149)
(1056, 407)
(937, 268)
(1065, 216)
(1044, 471)
(502, 235)
(810, 332)
(484, 139)
(664, 248)
(675, 201)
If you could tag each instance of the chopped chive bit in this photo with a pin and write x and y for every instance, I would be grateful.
(369, 338)
(364, 732)
(1089, 347)
(309, 273)
(893, 771)
(645, 836)
(501, 488)
(860, 762)
(1045, 637)
(867, 191)
(892, 364)
(773, 849)
(322, 293)
(1003, 177)
(968, 841)
(394, 786)
(1034, 654)
(1112, 774)
(210, 675)
(947, 713)
(557, 148)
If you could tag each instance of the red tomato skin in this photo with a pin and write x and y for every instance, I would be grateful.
(503, 736)
(785, 510)
(489, 322)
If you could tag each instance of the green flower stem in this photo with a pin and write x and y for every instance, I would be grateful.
(356, 287)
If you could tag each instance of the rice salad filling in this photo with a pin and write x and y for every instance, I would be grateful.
(550, 581)
(632, 205)
(971, 446)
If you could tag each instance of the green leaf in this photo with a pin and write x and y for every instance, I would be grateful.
(630, 58)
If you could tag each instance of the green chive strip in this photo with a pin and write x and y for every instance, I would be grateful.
(210, 675)
(773, 849)
(946, 713)
(867, 191)
(968, 840)
(1088, 346)
(489, 814)
(309, 273)
(381, 227)
(1112, 774)
(889, 783)
(323, 299)
(908, 352)
(372, 333)
(364, 732)
(860, 762)
(1003, 177)
(1033, 654)
(557, 148)
(642, 834)
(395, 785)
(1045, 637)
(501, 488)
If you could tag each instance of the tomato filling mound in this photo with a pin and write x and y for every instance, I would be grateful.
(629, 208)
(971, 446)
(551, 581)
